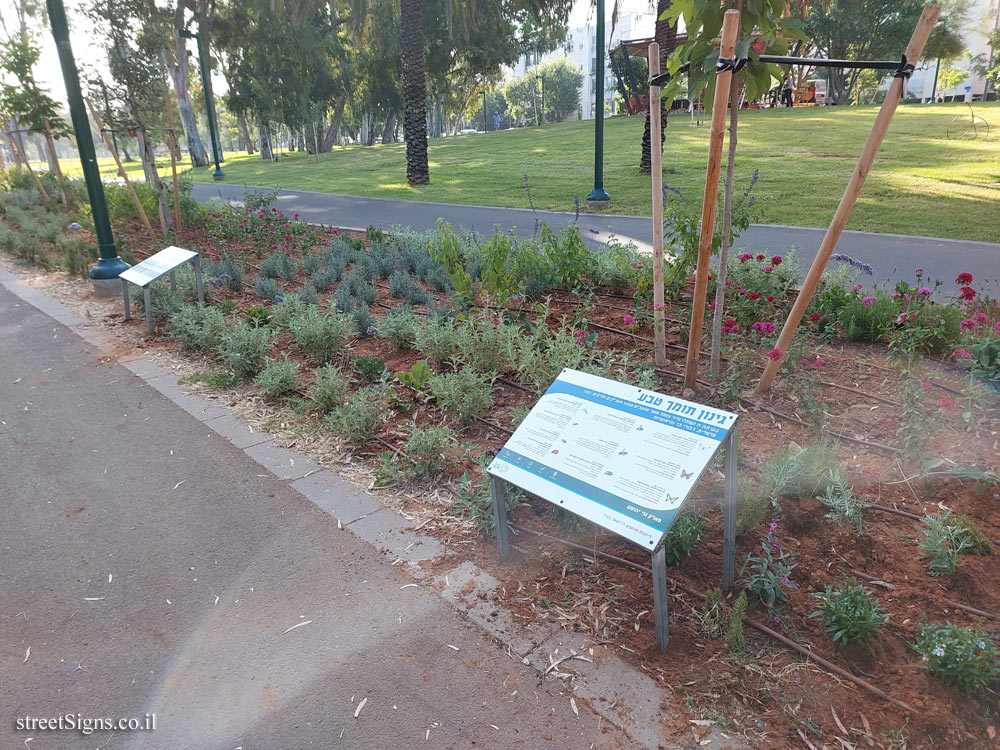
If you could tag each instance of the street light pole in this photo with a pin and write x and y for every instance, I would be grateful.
(599, 198)
(104, 274)
(205, 64)
(486, 125)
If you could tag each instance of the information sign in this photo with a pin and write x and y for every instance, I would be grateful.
(622, 457)
(159, 264)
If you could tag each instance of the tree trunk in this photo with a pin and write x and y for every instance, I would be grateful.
(414, 92)
(666, 36)
(389, 131)
(176, 60)
(244, 128)
(727, 232)
(152, 175)
(727, 223)
(265, 143)
(301, 139)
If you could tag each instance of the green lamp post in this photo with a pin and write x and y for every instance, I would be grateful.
(599, 198)
(206, 86)
(105, 273)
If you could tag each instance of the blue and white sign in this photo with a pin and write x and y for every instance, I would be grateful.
(620, 456)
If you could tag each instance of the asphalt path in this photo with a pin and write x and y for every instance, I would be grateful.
(147, 566)
(893, 256)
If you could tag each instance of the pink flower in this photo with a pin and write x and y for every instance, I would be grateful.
(628, 320)
(775, 354)
(996, 328)
(967, 325)
(967, 293)
(980, 317)
(947, 403)
(659, 305)
(729, 326)
(764, 326)
(295, 218)
(743, 257)
(767, 269)
(924, 291)
(961, 354)
(867, 301)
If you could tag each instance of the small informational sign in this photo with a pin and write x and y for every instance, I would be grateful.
(620, 456)
(157, 265)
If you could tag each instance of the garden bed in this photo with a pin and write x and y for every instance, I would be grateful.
(492, 320)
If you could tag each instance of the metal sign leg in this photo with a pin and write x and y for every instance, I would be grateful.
(729, 517)
(499, 492)
(125, 301)
(660, 597)
(173, 280)
(149, 308)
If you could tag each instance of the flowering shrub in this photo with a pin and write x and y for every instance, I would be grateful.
(769, 575)
(964, 657)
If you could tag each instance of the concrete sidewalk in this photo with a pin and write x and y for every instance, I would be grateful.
(894, 256)
(150, 565)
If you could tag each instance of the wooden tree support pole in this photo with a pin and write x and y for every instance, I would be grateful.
(730, 28)
(121, 170)
(178, 223)
(172, 143)
(656, 172)
(892, 98)
(18, 154)
(50, 141)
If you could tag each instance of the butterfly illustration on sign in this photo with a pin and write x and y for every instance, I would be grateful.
(609, 473)
(686, 474)
(623, 452)
(556, 450)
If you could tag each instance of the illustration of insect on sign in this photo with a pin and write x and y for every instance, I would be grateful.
(623, 457)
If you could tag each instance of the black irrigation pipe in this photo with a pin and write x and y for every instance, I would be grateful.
(812, 62)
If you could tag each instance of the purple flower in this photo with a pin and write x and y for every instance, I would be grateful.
(372, 331)
(867, 301)
(924, 291)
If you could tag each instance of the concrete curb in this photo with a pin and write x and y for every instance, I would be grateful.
(626, 697)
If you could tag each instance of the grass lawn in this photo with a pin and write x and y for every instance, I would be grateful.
(921, 182)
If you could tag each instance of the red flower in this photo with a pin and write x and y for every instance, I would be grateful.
(815, 317)
(964, 279)
(776, 260)
(760, 257)
(769, 298)
(967, 292)
(775, 354)
(753, 295)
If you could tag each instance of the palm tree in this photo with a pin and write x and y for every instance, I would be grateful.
(414, 91)
(666, 36)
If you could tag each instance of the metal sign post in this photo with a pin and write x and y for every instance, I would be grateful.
(625, 458)
(164, 263)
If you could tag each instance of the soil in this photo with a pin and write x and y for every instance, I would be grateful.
(770, 695)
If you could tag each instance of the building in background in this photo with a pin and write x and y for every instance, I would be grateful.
(636, 20)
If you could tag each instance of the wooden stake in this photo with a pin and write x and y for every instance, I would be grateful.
(178, 224)
(892, 98)
(121, 169)
(55, 160)
(656, 164)
(18, 154)
(730, 28)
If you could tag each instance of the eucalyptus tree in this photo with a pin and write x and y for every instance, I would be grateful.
(21, 96)
(132, 37)
(175, 59)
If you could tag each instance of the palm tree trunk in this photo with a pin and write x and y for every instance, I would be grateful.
(414, 92)
(666, 36)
